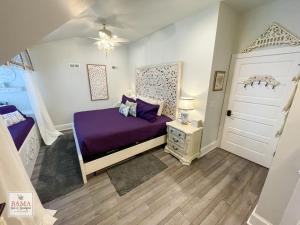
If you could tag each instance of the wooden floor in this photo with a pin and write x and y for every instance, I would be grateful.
(219, 188)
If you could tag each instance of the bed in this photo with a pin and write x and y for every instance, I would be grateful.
(26, 138)
(117, 132)
(105, 137)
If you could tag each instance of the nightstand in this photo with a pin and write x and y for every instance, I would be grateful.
(183, 141)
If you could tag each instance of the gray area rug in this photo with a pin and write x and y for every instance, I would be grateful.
(130, 174)
(60, 170)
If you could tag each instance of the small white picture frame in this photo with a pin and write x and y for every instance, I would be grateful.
(219, 81)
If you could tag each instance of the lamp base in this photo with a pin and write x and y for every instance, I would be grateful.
(184, 118)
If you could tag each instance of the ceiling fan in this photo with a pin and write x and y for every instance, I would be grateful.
(107, 41)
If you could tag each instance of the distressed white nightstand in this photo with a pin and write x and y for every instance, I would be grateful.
(183, 141)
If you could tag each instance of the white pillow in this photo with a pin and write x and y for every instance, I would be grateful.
(132, 108)
(124, 109)
(12, 118)
(154, 102)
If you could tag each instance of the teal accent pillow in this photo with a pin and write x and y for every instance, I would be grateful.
(124, 109)
(132, 108)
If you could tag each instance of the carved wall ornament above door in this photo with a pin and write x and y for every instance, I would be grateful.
(273, 36)
(261, 79)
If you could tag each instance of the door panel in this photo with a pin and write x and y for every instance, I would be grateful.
(250, 146)
(249, 108)
(257, 110)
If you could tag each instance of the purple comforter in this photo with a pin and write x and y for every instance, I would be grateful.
(101, 131)
(20, 131)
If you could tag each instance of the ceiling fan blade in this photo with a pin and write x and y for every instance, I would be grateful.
(110, 21)
(96, 39)
(121, 40)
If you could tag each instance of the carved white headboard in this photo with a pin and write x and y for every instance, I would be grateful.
(161, 82)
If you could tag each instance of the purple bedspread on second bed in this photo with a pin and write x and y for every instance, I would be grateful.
(101, 131)
(20, 131)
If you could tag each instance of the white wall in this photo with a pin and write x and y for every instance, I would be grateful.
(255, 22)
(190, 40)
(66, 90)
(291, 214)
(223, 49)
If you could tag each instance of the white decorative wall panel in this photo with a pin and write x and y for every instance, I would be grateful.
(97, 81)
(273, 36)
(160, 82)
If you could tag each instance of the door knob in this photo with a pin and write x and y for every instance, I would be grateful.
(228, 113)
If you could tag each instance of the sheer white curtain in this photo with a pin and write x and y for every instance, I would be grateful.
(44, 122)
(13, 178)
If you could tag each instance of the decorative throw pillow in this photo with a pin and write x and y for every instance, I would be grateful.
(7, 109)
(125, 98)
(12, 118)
(124, 109)
(146, 110)
(154, 102)
(132, 108)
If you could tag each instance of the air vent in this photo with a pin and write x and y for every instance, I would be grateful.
(74, 65)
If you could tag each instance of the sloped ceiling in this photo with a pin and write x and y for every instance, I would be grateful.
(130, 19)
(133, 19)
(245, 5)
(25, 22)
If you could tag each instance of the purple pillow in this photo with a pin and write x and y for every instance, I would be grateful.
(125, 98)
(7, 109)
(146, 110)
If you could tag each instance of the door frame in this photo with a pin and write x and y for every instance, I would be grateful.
(257, 53)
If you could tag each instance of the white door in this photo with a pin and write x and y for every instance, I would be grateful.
(256, 111)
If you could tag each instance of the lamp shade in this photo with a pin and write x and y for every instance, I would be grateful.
(186, 103)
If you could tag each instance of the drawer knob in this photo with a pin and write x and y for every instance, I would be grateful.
(175, 140)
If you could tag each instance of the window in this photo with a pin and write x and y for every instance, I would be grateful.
(22, 60)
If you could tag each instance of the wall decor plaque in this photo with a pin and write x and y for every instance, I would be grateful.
(97, 81)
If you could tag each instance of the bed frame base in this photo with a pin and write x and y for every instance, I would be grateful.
(109, 160)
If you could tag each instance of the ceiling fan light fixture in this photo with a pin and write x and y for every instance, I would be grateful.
(105, 45)
(107, 41)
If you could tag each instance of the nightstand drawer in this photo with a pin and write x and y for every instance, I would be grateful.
(178, 141)
(176, 133)
(176, 148)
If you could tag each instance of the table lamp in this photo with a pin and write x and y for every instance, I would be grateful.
(186, 104)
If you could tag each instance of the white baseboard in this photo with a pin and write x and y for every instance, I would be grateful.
(62, 127)
(206, 149)
(256, 219)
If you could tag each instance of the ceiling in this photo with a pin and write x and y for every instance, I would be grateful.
(245, 5)
(130, 19)
(24, 23)
(133, 19)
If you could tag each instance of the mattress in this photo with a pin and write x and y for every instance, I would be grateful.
(101, 132)
(20, 131)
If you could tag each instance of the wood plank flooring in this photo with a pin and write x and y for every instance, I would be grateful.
(220, 188)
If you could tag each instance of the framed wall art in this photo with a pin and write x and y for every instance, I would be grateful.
(97, 77)
(219, 81)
